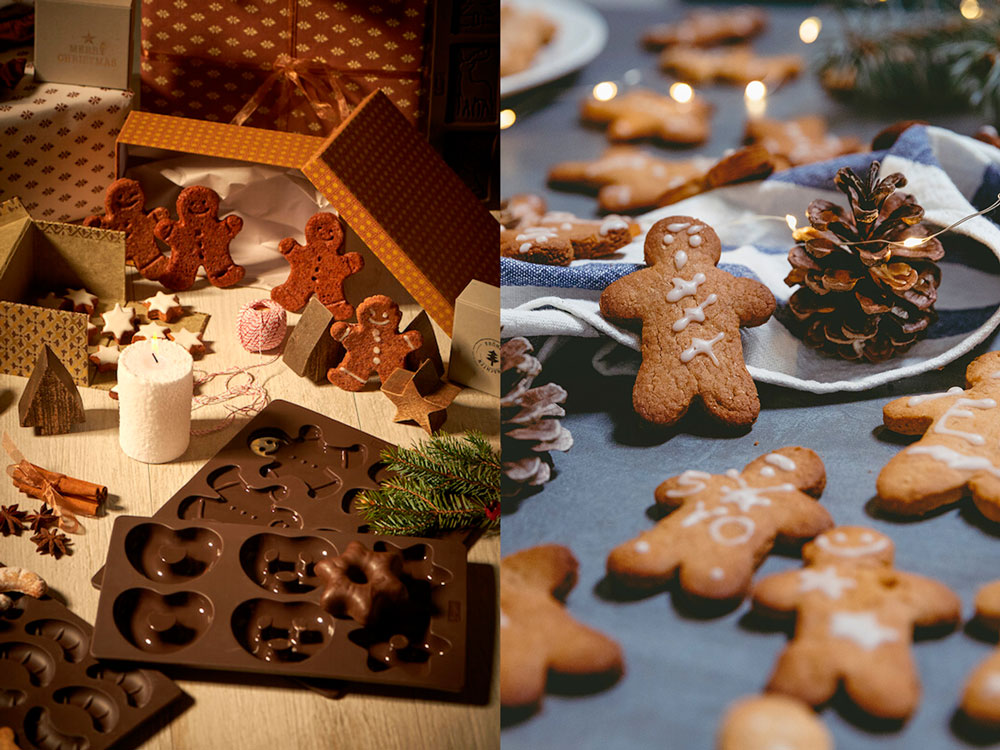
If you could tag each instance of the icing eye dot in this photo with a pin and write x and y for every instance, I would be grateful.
(840, 536)
(866, 537)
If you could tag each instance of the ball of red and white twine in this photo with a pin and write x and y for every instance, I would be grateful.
(261, 325)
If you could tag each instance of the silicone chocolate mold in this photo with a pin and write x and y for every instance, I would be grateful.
(320, 604)
(162, 554)
(54, 695)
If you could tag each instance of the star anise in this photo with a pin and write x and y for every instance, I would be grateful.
(11, 520)
(52, 542)
(43, 519)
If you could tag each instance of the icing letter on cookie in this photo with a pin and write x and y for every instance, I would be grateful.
(699, 514)
(684, 288)
(701, 346)
(956, 410)
(782, 462)
(825, 580)
(917, 400)
(746, 525)
(954, 459)
(691, 481)
(695, 314)
(863, 628)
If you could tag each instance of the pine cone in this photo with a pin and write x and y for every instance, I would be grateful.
(530, 424)
(873, 299)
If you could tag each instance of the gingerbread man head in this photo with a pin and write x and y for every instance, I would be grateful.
(324, 227)
(849, 544)
(680, 240)
(124, 196)
(197, 202)
(380, 311)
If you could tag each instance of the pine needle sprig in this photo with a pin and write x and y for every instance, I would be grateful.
(443, 483)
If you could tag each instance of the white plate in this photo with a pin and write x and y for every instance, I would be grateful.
(581, 35)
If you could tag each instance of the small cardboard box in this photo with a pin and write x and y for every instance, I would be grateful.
(390, 187)
(84, 42)
(475, 339)
(38, 256)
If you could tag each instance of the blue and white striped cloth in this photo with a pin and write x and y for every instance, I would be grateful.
(951, 176)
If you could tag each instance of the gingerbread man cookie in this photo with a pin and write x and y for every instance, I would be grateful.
(199, 238)
(802, 140)
(981, 699)
(374, 343)
(559, 237)
(537, 634)
(641, 113)
(855, 619)
(521, 210)
(959, 451)
(772, 722)
(319, 267)
(123, 206)
(725, 525)
(729, 65)
(704, 28)
(691, 314)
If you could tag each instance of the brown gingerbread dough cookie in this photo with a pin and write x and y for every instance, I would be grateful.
(724, 525)
(628, 178)
(641, 113)
(199, 238)
(705, 28)
(537, 634)
(123, 207)
(959, 452)
(803, 140)
(373, 344)
(855, 615)
(691, 313)
(523, 32)
(728, 65)
(981, 697)
(319, 267)
(770, 722)
(559, 237)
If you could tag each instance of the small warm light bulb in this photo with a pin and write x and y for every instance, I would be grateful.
(605, 91)
(755, 91)
(507, 118)
(970, 9)
(809, 29)
(791, 221)
(681, 92)
(914, 241)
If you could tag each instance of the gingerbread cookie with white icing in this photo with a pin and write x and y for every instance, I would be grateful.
(724, 525)
(959, 452)
(105, 358)
(537, 634)
(981, 698)
(559, 237)
(642, 113)
(855, 615)
(691, 313)
(801, 140)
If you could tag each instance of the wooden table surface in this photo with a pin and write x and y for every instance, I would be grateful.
(250, 712)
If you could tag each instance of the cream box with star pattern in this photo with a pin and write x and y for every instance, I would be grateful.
(84, 42)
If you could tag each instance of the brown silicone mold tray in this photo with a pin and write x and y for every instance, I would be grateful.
(55, 696)
(302, 603)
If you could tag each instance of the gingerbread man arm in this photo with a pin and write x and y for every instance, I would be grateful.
(752, 302)
(164, 229)
(778, 595)
(288, 245)
(355, 262)
(341, 330)
(913, 415)
(930, 601)
(159, 214)
(413, 339)
(233, 224)
(988, 605)
(624, 298)
(550, 567)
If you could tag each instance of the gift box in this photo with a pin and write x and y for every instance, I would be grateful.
(475, 338)
(57, 144)
(292, 62)
(393, 191)
(84, 42)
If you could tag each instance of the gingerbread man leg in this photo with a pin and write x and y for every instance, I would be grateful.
(980, 697)
(181, 272)
(717, 578)
(644, 562)
(805, 671)
(985, 490)
(225, 274)
(648, 384)
(293, 294)
(349, 375)
(333, 300)
(906, 487)
(734, 399)
(524, 669)
(884, 683)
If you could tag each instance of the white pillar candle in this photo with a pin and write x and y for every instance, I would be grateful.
(155, 385)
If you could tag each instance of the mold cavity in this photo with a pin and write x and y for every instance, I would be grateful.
(69, 637)
(40, 732)
(411, 651)
(162, 624)
(418, 563)
(97, 705)
(38, 665)
(11, 698)
(281, 632)
(165, 555)
(134, 684)
(284, 565)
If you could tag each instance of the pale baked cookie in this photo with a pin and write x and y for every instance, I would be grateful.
(188, 339)
(120, 323)
(772, 722)
(981, 698)
(161, 306)
(537, 634)
(704, 28)
(736, 65)
(803, 140)
(81, 300)
(106, 358)
(724, 525)
(523, 33)
(641, 113)
(855, 615)
(150, 331)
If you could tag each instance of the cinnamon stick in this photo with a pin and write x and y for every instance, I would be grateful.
(69, 486)
(83, 506)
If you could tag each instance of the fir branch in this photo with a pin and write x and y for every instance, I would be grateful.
(443, 483)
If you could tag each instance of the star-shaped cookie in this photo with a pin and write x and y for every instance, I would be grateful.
(120, 323)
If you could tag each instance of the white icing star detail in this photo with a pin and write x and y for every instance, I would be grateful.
(187, 339)
(81, 297)
(825, 580)
(862, 628)
(119, 321)
(151, 331)
(161, 302)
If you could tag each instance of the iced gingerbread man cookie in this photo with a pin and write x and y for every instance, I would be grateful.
(373, 344)
(319, 267)
(123, 206)
(537, 634)
(691, 315)
(959, 451)
(772, 722)
(199, 238)
(724, 525)
(855, 616)
(981, 699)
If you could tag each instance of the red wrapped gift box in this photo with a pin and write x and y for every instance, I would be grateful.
(292, 59)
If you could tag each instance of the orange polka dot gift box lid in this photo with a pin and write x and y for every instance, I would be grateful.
(390, 187)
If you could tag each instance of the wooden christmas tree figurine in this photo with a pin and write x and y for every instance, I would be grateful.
(310, 350)
(51, 402)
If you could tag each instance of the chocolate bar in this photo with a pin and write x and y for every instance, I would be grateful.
(305, 603)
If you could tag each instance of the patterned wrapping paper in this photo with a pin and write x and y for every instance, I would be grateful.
(206, 61)
(23, 330)
(57, 146)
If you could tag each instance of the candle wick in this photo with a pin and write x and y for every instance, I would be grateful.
(155, 359)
